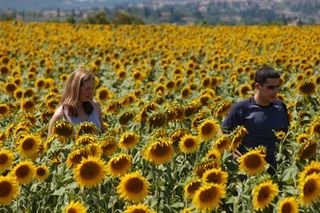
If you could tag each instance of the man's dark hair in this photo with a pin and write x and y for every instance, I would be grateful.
(265, 72)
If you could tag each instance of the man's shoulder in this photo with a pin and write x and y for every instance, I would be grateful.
(244, 103)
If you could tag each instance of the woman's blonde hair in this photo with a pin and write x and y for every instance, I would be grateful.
(71, 94)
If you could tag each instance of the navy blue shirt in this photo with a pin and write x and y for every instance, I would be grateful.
(261, 123)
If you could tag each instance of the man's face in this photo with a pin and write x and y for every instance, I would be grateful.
(87, 90)
(269, 90)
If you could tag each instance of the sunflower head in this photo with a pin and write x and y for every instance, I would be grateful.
(288, 205)
(189, 144)
(209, 196)
(252, 162)
(42, 173)
(159, 152)
(108, 145)
(90, 172)
(133, 187)
(6, 159)
(63, 129)
(24, 172)
(87, 128)
(191, 187)
(128, 140)
(263, 194)
(119, 165)
(310, 189)
(138, 208)
(308, 149)
(75, 207)
(28, 146)
(208, 129)
(307, 87)
(215, 175)
(9, 189)
(202, 167)
(222, 143)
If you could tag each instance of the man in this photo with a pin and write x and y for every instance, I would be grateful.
(262, 115)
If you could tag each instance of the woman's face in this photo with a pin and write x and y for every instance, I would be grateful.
(87, 90)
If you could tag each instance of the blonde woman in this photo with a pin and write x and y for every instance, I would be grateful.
(77, 104)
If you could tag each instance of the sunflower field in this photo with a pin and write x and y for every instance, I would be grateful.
(164, 91)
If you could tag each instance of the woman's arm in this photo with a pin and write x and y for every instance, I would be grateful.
(56, 116)
(97, 106)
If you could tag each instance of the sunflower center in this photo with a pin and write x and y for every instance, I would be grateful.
(3, 158)
(3, 110)
(134, 185)
(208, 195)
(41, 171)
(189, 143)
(5, 188)
(89, 170)
(252, 161)
(22, 171)
(72, 210)
(309, 188)
(28, 144)
(159, 150)
(129, 139)
(263, 194)
(214, 178)
(207, 129)
(119, 164)
(286, 208)
(103, 95)
(193, 187)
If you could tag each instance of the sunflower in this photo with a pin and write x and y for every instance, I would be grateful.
(4, 110)
(157, 120)
(310, 189)
(222, 143)
(125, 117)
(52, 104)
(315, 128)
(85, 139)
(42, 172)
(186, 93)
(303, 137)
(90, 172)
(189, 144)
(6, 159)
(202, 167)
(307, 87)
(29, 145)
(4, 70)
(74, 158)
(138, 208)
(215, 175)
(75, 207)
(263, 194)
(159, 152)
(313, 167)
(128, 140)
(308, 149)
(108, 146)
(133, 187)
(208, 196)
(103, 94)
(119, 165)
(63, 129)
(24, 172)
(10, 87)
(238, 135)
(87, 128)
(213, 154)
(28, 105)
(208, 129)
(252, 162)
(191, 187)
(280, 135)
(288, 205)
(9, 189)
(18, 94)
(244, 89)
